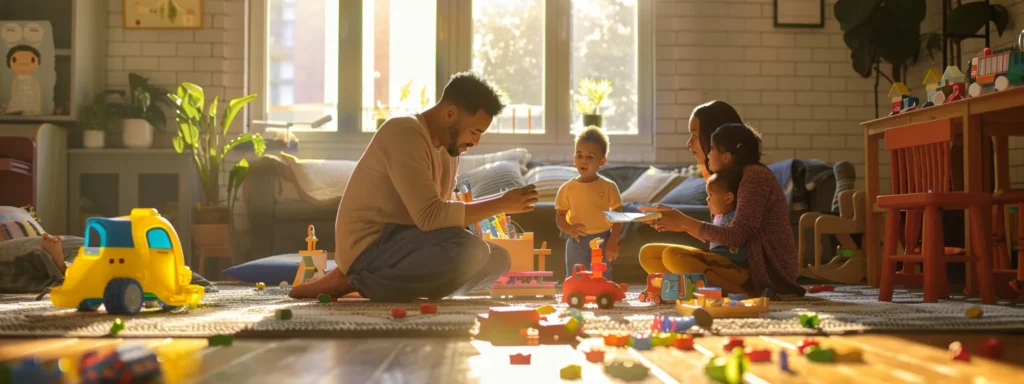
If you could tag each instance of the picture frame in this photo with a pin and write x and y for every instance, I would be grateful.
(162, 14)
(799, 13)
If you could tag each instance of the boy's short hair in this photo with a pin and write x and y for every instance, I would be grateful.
(728, 180)
(472, 92)
(594, 134)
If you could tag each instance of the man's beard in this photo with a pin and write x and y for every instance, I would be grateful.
(453, 140)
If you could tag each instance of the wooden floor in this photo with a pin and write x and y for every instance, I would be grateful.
(887, 359)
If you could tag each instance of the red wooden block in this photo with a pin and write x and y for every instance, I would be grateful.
(758, 355)
(731, 343)
(821, 288)
(684, 342)
(397, 313)
(802, 345)
(519, 359)
(595, 355)
(428, 308)
(991, 348)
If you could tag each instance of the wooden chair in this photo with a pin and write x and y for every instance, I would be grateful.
(851, 220)
(1008, 282)
(921, 181)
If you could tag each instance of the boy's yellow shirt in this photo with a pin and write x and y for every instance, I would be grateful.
(586, 202)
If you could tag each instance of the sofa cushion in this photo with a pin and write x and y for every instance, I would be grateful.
(549, 178)
(489, 179)
(651, 185)
(470, 162)
(270, 270)
(690, 192)
(16, 223)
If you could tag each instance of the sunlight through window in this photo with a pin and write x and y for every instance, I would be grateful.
(604, 47)
(302, 72)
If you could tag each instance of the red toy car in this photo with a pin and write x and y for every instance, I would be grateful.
(583, 287)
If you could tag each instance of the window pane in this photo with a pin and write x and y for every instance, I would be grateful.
(302, 78)
(604, 47)
(399, 58)
(508, 48)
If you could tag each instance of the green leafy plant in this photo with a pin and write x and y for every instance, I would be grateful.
(96, 116)
(890, 31)
(140, 101)
(380, 112)
(404, 92)
(590, 94)
(200, 131)
(424, 100)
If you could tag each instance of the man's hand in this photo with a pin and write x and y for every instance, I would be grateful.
(577, 230)
(611, 251)
(519, 200)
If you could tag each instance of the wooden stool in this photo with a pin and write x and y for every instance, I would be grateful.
(216, 252)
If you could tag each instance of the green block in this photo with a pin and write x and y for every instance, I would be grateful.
(117, 327)
(736, 365)
(809, 320)
(324, 298)
(220, 340)
(715, 369)
(283, 314)
(819, 355)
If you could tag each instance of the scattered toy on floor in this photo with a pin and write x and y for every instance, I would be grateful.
(784, 360)
(127, 363)
(626, 370)
(758, 355)
(802, 345)
(974, 312)
(958, 351)
(615, 340)
(821, 288)
(398, 313)
(116, 327)
(809, 320)
(428, 309)
(260, 286)
(818, 354)
(595, 355)
(506, 325)
(571, 372)
(664, 339)
(590, 286)
(849, 355)
(684, 342)
(519, 359)
(220, 340)
(991, 348)
(283, 285)
(532, 336)
(736, 366)
(732, 342)
(283, 314)
(546, 310)
(323, 298)
(641, 342)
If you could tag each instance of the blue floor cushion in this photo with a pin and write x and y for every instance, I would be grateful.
(270, 270)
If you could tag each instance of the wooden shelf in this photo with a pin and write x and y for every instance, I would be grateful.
(36, 118)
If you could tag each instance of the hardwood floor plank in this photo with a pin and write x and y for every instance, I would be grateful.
(939, 359)
(216, 360)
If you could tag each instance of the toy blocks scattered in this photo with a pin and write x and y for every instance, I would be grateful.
(398, 313)
(732, 342)
(283, 314)
(519, 359)
(684, 342)
(428, 309)
(809, 320)
(641, 342)
(323, 298)
(571, 372)
(260, 286)
(626, 370)
(595, 355)
(974, 312)
(615, 340)
(804, 344)
(818, 354)
(220, 340)
(116, 327)
(758, 355)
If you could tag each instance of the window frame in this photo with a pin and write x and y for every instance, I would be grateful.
(454, 54)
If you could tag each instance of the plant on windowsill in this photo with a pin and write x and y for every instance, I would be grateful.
(590, 94)
(380, 113)
(95, 121)
(206, 138)
(139, 111)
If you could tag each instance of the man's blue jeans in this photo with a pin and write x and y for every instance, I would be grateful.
(406, 263)
(578, 252)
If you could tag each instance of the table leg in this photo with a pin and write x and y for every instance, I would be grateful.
(973, 171)
(872, 249)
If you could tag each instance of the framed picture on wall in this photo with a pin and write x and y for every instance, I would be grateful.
(800, 13)
(163, 14)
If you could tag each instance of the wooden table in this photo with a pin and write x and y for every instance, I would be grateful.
(999, 115)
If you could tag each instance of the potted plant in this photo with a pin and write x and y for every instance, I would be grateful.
(424, 100)
(139, 110)
(380, 113)
(590, 94)
(95, 121)
(205, 134)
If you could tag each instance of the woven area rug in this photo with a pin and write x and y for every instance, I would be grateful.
(248, 312)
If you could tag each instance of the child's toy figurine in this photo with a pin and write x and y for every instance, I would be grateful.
(26, 97)
(580, 204)
(722, 188)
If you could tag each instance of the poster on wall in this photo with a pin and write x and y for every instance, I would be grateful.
(29, 73)
(163, 14)
(800, 13)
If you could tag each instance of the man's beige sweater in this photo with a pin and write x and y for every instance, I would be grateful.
(402, 178)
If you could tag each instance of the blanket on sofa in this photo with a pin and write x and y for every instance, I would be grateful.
(317, 182)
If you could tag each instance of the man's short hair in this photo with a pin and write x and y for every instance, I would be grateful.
(594, 134)
(472, 92)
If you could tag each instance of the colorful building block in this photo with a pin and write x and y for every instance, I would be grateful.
(546, 310)
(641, 342)
(571, 372)
(820, 355)
(283, 314)
(809, 320)
(684, 342)
(519, 359)
(428, 309)
(116, 327)
(595, 355)
(627, 370)
(991, 348)
(732, 342)
(220, 340)
(758, 355)
(802, 345)
(260, 286)
(323, 298)
(974, 312)
(398, 313)
(664, 339)
(784, 360)
(958, 351)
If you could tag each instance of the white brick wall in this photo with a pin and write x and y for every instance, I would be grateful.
(212, 57)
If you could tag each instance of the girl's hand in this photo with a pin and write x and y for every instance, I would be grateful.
(671, 220)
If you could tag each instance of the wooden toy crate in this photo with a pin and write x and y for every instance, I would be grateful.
(524, 257)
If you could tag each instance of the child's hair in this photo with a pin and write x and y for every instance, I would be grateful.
(594, 134)
(740, 140)
(22, 48)
(728, 180)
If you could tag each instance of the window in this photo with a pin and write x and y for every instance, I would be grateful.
(157, 238)
(362, 61)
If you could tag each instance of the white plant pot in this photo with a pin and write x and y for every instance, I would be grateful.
(138, 133)
(92, 139)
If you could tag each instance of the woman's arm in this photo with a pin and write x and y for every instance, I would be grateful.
(751, 203)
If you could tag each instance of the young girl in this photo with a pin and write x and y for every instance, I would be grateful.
(581, 202)
(722, 188)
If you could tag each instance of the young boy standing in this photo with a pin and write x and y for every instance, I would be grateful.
(580, 204)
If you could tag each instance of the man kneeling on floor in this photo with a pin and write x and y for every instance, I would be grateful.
(400, 233)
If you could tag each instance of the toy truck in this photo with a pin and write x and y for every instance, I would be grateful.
(128, 363)
(125, 262)
(583, 287)
(669, 287)
(994, 72)
(503, 326)
(523, 284)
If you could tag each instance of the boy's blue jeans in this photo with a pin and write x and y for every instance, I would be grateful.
(578, 252)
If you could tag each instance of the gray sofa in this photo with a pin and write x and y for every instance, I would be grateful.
(279, 227)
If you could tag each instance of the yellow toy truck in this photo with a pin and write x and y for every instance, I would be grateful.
(125, 262)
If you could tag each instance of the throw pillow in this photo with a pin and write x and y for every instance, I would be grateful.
(16, 223)
(548, 179)
(270, 270)
(470, 162)
(690, 192)
(651, 186)
(489, 179)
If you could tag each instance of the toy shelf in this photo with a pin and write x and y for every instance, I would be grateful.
(17, 171)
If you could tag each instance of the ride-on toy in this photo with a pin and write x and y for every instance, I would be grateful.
(591, 286)
(126, 261)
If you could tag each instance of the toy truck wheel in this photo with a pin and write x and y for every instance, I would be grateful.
(605, 301)
(643, 297)
(89, 305)
(656, 299)
(974, 90)
(123, 297)
(576, 300)
(1002, 83)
